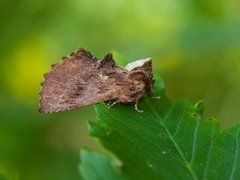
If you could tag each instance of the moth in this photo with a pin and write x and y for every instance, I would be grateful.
(80, 80)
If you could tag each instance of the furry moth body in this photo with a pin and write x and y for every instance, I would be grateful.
(80, 80)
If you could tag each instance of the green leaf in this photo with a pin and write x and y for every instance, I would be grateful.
(170, 140)
(96, 166)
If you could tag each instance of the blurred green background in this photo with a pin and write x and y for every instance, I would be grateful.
(195, 46)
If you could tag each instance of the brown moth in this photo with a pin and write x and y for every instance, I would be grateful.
(81, 80)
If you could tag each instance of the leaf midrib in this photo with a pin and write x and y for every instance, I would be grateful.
(172, 139)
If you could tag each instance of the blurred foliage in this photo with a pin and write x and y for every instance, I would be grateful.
(194, 45)
(96, 166)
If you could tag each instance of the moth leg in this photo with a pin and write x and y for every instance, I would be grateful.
(112, 103)
(136, 107)
(152, 96)
(155, 97)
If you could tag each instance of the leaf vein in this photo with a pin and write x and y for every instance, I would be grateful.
(173, 140)
(143, 137)
(180, 121)
(209, 153)
(235, 155)
(195, 139)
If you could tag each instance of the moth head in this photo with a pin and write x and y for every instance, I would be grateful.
(144, 66)
(139, 64)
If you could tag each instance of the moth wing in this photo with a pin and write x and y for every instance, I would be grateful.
(75, 82)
